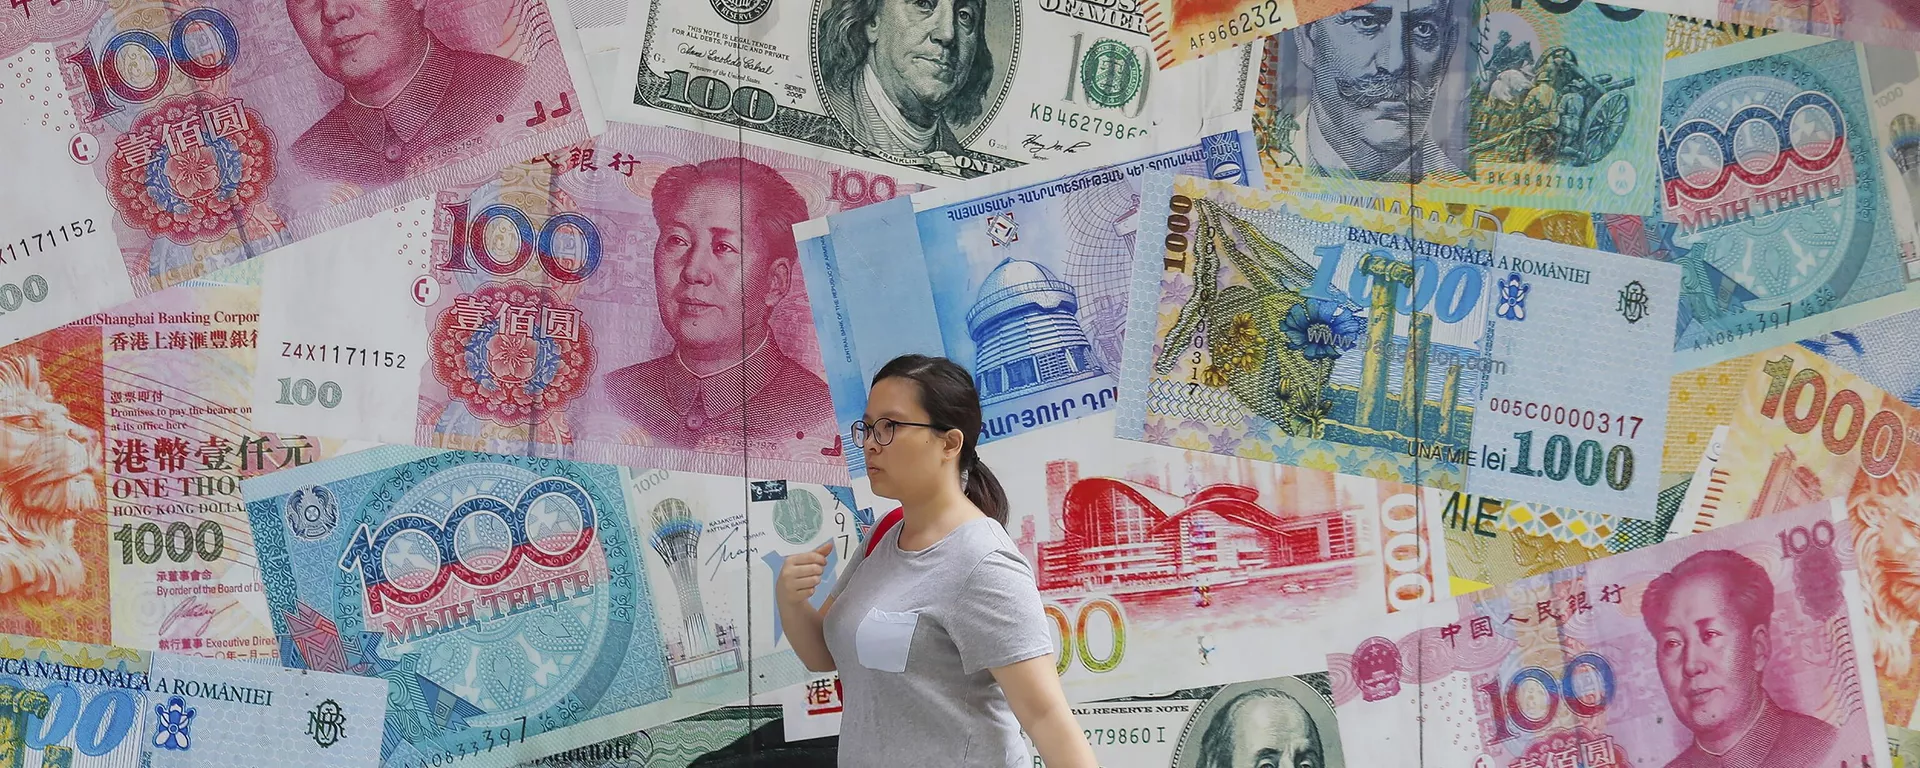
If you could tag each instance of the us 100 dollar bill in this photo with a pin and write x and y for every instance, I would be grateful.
(924, 91)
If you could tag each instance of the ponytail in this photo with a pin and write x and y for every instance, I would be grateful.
(983, 489)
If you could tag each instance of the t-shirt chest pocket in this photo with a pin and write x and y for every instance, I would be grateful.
(883, 638)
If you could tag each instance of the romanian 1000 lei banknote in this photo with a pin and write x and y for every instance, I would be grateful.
(1492, 542)
(75, 705)
(1808, 430)
(1021, 277)
(1159, 564)
(1733, 647)
(126, 436)
(627, 300)
(1529, 102)
(517, 607)
(1770, 169)
(929, 92)
(1262, 324)
(217, 130)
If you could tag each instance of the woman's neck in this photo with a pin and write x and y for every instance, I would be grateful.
(927, 520)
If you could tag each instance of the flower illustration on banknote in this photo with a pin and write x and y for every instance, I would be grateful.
(1258, 451)
(193, 173)
(1158, 430)
(1513, 297)
(1223, 441)
(176, 723)
(1322, 329)
(1321, 459)
(1191, 436)
(1243, 343)
(1383, 469)
(1288, 453)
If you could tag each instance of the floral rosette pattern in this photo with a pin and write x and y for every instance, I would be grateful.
(189, 170)
(493, 353)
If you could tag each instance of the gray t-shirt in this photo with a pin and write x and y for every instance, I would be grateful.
(914, 635)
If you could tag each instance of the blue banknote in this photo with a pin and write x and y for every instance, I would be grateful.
(74, 705)
(1885, 352)
(1020, 277)
(517, 607)
(1774, 181)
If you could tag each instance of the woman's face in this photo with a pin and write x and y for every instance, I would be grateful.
(913, 460)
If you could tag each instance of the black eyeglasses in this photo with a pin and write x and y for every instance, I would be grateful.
(882, 429)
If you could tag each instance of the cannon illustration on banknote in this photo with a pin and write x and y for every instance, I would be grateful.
(1549, 110)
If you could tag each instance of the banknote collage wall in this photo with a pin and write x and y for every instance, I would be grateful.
(1465, 383)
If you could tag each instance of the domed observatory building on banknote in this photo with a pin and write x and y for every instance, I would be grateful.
(1027, 333)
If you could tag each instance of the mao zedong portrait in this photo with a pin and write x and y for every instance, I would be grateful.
(898, 74)
(725, 258)
(407, 95)
(1261, 727)
(1377, 71)
(1709, 618)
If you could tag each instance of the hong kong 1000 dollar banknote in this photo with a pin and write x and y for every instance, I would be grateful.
(1741, 642)
(127, 434)
(634, 300)
(970, 270)
(119, 707)
(1780, 202)
(1543, 104)
(518, 607)
(1262, 324)
(1311, 550)
(218, 130)
(928, 91)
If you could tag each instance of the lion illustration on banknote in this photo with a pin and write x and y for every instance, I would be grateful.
(50, 473)
(1886, 521)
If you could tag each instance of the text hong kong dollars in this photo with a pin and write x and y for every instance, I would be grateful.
(628, 300)
(221, 130)
(525, 606)
(1733, 647)
(926, 91)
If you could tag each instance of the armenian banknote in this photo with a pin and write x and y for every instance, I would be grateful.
(1158, 564)
(122, 707)
(1491, 542)
(1184, 30)
(517, 606)
(218, 130)
(1022, 278)
(1882, 351)
(1260, 320)
(1543, 104)
(628, 300)
(1809, 430)
(1738, 643)
(127, 434)
(1775, 237)
(948, 91)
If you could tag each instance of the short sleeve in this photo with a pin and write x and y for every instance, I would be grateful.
(997, 618)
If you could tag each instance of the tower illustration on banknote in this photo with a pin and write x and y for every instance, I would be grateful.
(704, 649)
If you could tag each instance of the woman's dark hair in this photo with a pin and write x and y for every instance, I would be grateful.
(952, 402)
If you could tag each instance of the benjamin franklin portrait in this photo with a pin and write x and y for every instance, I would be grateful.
(910, 78)
(1283, 722)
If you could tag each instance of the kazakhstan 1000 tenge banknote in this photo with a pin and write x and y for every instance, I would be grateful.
(1159, 564)
(603, 303)
(519, 606)
(128, 434)
(1733, 647)
(220, 130)
(1543, 104)
(1264, 325)
(1894, 75)
(926, 91)
(123, 707)
(971, 270)
(1770, 169)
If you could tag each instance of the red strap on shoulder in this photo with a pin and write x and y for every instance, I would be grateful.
(880, 528)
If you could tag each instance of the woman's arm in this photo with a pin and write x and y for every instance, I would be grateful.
(804, 626)
(1033, 689)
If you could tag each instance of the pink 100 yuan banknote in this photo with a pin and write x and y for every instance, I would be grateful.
(626, 301)
(195, 135)
(1732, 648)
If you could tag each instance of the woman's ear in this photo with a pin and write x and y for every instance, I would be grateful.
(954, 440)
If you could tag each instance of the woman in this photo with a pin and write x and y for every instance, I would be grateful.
(938, 631)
